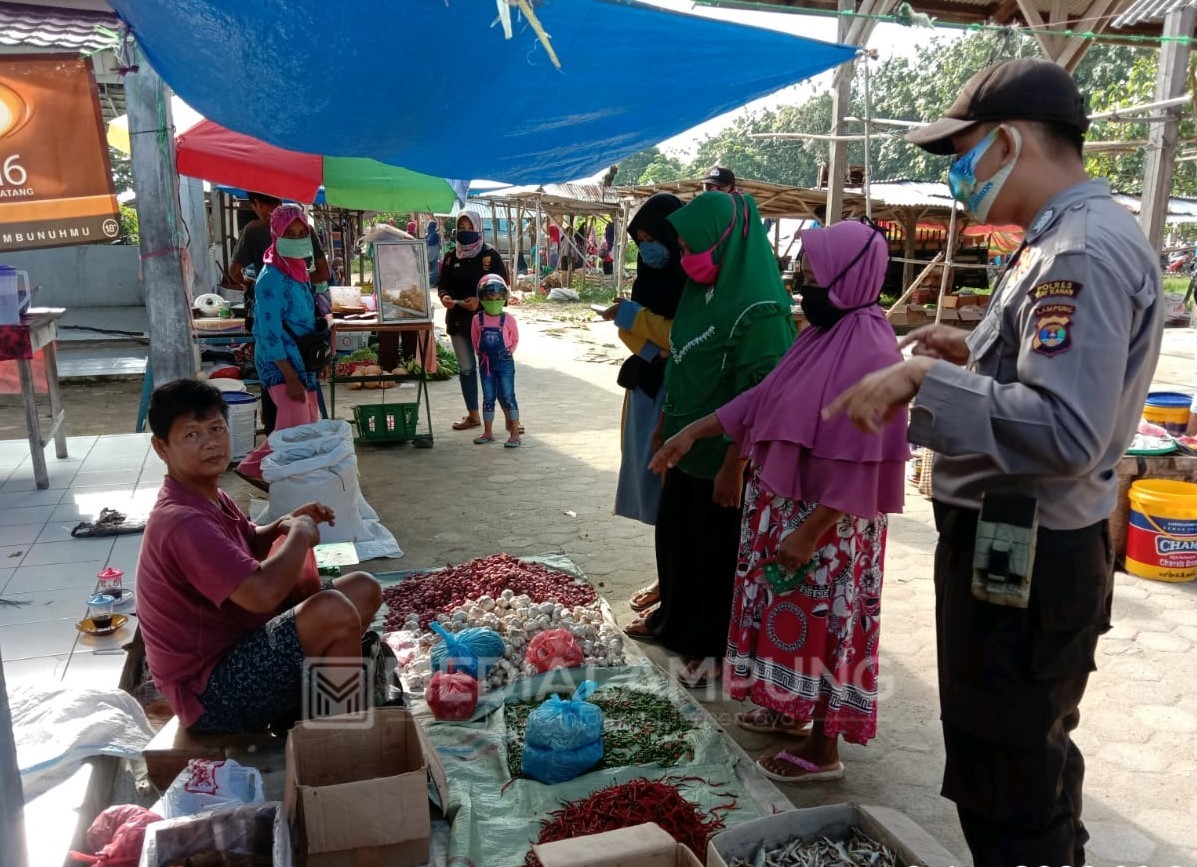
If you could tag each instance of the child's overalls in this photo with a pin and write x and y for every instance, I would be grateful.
(497, 369)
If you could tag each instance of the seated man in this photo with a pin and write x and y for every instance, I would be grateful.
(220, 642)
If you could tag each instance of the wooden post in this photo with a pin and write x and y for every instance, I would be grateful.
(910, 229)
(841, 98)
(157, 185)
(12, 800)
(542, 242)
(1162, 138)
(945, 279)
(191, 197)
(569, 274)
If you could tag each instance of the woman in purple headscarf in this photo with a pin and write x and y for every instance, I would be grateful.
(805, 614)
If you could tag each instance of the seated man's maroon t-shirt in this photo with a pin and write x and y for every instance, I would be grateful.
(194, 554)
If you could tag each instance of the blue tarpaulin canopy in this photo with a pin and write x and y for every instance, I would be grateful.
(434, 85)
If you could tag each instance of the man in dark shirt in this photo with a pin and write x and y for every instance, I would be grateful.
(255, 241)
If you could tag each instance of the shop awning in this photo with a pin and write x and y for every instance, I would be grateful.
(436, 86)
(208, 151)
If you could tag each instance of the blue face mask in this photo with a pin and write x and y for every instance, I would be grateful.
(465, 236)
(654, 253)
(977, 197)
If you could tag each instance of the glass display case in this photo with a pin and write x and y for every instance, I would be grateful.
(401, 281)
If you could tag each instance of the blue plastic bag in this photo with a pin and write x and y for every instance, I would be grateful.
(563, 739)
(474, 650)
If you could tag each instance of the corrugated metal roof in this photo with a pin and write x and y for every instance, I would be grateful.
(1078, 13)
(588, 194)
(1149, 10)
(909, 194)
(27, 26)
(1180, 210)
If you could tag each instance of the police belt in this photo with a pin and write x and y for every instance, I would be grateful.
(958, 526)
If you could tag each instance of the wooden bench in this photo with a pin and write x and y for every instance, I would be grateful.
(174, 746)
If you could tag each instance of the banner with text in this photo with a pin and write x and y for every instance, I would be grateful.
(55, 178)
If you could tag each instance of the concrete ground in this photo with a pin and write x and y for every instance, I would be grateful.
(457, 501)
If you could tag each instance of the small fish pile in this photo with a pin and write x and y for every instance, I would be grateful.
(858, 850)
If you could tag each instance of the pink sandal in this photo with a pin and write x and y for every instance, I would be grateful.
(811, 773)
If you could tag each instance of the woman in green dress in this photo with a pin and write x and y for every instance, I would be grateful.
(732, 326)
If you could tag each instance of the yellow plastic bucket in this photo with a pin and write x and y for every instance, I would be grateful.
(1161, 541)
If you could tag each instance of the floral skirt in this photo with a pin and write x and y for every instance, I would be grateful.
(809, 653)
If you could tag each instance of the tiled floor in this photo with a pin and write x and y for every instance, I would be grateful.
(53, 574)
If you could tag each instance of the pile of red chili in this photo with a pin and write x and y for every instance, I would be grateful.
(438, 592)
(634, 803)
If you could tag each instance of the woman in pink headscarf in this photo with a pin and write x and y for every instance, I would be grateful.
(805, 615)
(284, 311)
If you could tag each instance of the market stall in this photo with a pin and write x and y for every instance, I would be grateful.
(566, 205)
(541, 631)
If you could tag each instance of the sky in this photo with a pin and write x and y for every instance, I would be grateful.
(889, 40)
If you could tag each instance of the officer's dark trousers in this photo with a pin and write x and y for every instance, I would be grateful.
(1010, 685)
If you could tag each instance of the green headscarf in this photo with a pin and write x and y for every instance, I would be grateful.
(726, 338)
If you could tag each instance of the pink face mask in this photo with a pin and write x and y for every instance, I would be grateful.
(701, 267)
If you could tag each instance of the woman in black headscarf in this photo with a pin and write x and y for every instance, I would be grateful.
(644, 323)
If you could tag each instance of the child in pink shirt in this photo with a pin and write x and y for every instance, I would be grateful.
(495, 337)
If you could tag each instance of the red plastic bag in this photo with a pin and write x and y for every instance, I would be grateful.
(554, 648)
(452, 695)
(10, 376)
(116, 836)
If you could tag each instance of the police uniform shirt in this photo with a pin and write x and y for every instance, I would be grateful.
(1058, 369)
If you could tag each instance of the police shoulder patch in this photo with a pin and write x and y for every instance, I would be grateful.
(1053, 329)
(1056, 289)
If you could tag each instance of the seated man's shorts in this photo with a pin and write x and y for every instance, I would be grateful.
(258, 683)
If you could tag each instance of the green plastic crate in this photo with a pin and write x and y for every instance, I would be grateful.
(387, 422)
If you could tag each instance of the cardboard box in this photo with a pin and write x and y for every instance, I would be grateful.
(647, 845)
(254, 831)
(913, 846)
(357, 792)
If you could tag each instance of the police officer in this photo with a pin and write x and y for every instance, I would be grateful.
(1027, 416)
(719, 178)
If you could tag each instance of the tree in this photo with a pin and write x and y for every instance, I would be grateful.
(1111, 84)
(901, 89)
(130, 226)
(650, 166)
(122, 170)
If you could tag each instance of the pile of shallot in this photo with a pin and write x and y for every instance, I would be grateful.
(447, 589)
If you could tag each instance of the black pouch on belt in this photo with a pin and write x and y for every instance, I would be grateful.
(639, 373)
(1004, 556)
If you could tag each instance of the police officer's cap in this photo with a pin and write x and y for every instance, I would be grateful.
(1022, 89)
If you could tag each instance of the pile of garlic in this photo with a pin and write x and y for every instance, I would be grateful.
(516, 619)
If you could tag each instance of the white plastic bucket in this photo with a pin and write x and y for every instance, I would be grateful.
(243, 421)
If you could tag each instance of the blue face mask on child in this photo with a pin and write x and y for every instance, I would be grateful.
(654, 253)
